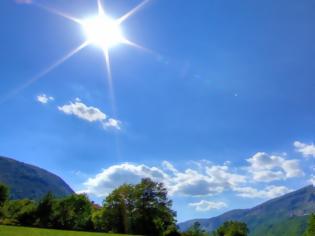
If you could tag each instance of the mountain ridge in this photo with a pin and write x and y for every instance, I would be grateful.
(291, 207)
(30, 181)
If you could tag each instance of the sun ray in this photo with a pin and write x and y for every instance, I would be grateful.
(44, 72)
(130, 43)
(57, 12)
(110, 81)
(101, 10)
(132, 12)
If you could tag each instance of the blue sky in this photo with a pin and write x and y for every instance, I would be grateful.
(221, 109)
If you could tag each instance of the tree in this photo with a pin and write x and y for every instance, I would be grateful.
(139, 209)
(153, 214)
(20, 212)
(98, 216)
(119, 208)
(73, 212)
(172, 230)
(310, 231)
(45, 211)
(195, 230)
(4, 194)
(232, 228)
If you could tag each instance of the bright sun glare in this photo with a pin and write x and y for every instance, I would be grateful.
(103, 31)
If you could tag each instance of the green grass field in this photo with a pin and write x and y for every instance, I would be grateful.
(24, 231)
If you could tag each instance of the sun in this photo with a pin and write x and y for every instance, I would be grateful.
(103, 31)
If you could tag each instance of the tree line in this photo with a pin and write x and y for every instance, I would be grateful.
(139, 209)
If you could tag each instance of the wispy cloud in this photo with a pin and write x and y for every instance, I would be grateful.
(44, 99)
(89, 113)
(266, 193)
(24, 1)
(205, 205)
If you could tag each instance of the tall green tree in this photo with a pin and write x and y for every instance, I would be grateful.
(153, 213)
(139, 209)
(119, 209)
(232, 228)
(310, 231)
(45, 211)
(73, 212)
(195, 230)
(4, 194)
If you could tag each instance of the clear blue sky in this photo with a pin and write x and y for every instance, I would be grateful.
(221, 110)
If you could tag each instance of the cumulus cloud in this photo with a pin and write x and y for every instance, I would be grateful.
(116, 175)
(307, 150)
(213, 179)
(43, 98)
(204, 205)
(89, 113)
(267, 168)
(266, 193)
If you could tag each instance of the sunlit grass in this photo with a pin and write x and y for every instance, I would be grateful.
(25, 231)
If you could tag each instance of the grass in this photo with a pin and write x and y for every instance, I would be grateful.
(25, 231)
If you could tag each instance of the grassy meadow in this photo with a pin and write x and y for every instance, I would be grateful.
(25, 231)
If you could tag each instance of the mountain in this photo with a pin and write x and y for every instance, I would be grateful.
(28, 181)
(285, 215)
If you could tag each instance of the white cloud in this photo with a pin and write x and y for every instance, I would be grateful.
(267, 168)
(266, 193)
(213, 179)
(112, 123)
(43, 98)
(116, 175)
(204, 205)
(307, 150)
(84, 112)
(89, 113)
(312, 180)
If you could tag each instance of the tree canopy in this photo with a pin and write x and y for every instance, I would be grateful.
(142, 209)
(232, 228)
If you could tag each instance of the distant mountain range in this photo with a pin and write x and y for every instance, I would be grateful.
(283, 216)
(28, 181)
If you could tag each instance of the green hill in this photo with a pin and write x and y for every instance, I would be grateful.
(27, 181)
(285, 215)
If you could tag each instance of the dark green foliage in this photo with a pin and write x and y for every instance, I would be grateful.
(310, 231)
(73, 212)
(4, 194)
(98, 216)
(172, 230)
(232, 228)
(27, 181)
(139, 209)
(195, 230)
(45, 211)
(154, 214)
(19, 212)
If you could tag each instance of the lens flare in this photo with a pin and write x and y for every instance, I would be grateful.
(103, 32)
